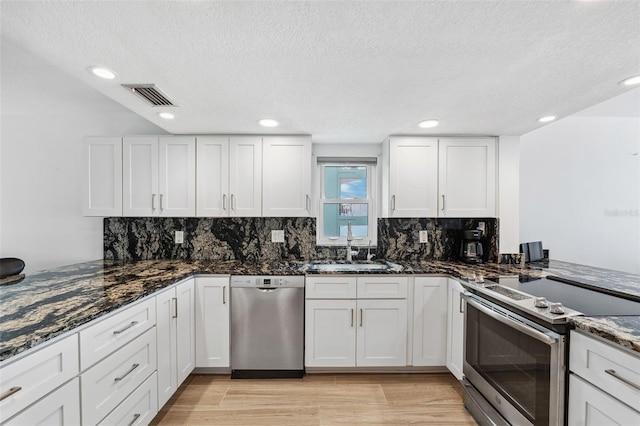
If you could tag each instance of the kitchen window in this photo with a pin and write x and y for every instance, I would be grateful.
(346, 190)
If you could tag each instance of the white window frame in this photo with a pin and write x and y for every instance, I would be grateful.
(372, 221)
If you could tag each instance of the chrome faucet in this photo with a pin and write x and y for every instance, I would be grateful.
(349, 239)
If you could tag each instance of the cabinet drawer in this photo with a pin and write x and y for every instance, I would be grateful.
(110, 381)
(104, 337)
(589, 406)
(37, 374)
(330, 287)
(61, 407)
(382, 287)
(139, 408)
(607, 367)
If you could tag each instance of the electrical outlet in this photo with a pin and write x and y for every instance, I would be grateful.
(277, 236)
(179, 238)
(424, 237)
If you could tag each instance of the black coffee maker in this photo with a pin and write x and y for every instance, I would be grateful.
(471, 248)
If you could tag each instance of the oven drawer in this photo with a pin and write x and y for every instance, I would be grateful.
(607, 367)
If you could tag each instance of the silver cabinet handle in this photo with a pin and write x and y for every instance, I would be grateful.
(160, 203)
(351, 317)
(233, 202)
(122, 330)
(307, 203)
(622, 379)
(175, 307)
(393, 203)
(153, 202)
(224, 295)
(442, 203)
(361, 315)
(10, 392)
(461, 306)
(224, 202)
(133, 367)
(135, 418)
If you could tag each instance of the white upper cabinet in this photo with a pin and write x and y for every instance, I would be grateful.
(212, 176)
(286, 176)
(467, 177)
(413, 177)
(442, 177)
(159, 176)
(102, 183)
(229, 176)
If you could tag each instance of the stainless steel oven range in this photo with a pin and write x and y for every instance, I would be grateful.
(516, 346)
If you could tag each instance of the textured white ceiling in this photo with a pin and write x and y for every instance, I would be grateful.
(350, 71)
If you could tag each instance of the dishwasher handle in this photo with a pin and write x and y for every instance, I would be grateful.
(267, 289)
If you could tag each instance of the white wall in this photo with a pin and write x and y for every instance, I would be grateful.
(508, 194)
(44, 116)
(580, 189)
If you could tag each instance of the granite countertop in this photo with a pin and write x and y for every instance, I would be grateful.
(49, 303)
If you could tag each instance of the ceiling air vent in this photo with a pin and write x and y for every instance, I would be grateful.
(150, 93)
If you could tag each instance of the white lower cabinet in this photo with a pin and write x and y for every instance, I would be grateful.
(455, 328)
(106, 384)
(344, 332)
(59, 408)
(139, 408)
(30, 378)
(604, 384)
(429, 321)
(175, 310)
(212, 321)
(590, 406)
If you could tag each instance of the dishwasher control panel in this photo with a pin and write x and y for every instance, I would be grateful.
(272, 281)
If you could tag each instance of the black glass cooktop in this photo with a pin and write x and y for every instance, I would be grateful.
(573, 295)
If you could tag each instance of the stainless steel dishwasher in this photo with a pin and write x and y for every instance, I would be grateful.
(267, 326)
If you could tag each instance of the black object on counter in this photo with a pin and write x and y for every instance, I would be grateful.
(10, 266)
(532, 251)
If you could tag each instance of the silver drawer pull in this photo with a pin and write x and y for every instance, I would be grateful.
(122, 330)
(135, 419)
(622, 379)
(10, 392)
(133, 367)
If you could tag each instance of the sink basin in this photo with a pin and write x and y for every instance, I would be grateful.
(353, 267)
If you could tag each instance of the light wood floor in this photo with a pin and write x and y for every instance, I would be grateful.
(318, 399)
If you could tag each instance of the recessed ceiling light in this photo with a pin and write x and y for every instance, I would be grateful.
(631, 81)
(103, 72)
(268, 122)
(547, 118)
(167, 115)
(432, 122)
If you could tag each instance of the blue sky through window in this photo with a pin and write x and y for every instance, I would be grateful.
(353, 188)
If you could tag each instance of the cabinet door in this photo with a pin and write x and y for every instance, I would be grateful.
(33, 376)
(429, 321)
(245, 176)
(185, 326)
(381, 333)
(286, 176)
(413, 177)
(212, 321)
(589, 406)
(177, 176)
(330, 333)
(212, 176)
(59, 408)
(455, 328)
(140, 176)
(102, 183)
(467, 177)
(166, 345)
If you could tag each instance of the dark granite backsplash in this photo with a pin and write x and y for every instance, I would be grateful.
(249, 239)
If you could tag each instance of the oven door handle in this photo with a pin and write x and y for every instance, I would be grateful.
(531, 332)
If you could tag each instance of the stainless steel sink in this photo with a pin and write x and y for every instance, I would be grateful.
(353, 267)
